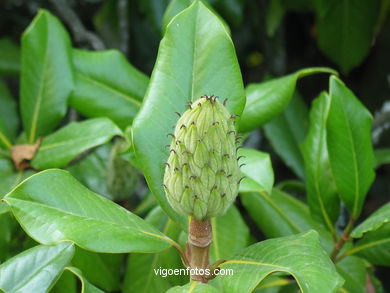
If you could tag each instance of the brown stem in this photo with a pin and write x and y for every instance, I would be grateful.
(343, 239)
(200, 237)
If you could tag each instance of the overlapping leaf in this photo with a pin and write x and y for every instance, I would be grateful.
(289, 215)
(267, 99)
(257, 168)
(9, 121)
(375, 237)
(287, 131)
(46, 77)
(300, 255)
(349, 146)
(66, 210)
(195, 57)
(107, 85)
(345, 34)
(322, 197)
(60, 147)
(9, 57)
(36, 269)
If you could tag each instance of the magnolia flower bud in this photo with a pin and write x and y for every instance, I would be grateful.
(202, 173)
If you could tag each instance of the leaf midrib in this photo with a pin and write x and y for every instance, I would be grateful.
(25, 281)
(278, 210)
(354, 162)
(82, 217)
(110, 89)
(71, 141)
(37, 107)
(317, 168)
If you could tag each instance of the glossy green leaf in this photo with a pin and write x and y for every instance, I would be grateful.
(46, 77)
(267, 99)
(257, 170)
(353, 270)
(86, 287)
(194, 287)
(289, 215)
(195, 57)
(346, 30)
(300, 255)
(375, 237)
(349, 146)
(107, 85)
(142, 271)
(9, 121)
(101, 269)
(59, 148)
(9, 57)
(230, 235)
(52, 206)
(36, 269)
(382, 157)
(374, 246)
(287, 131)
(373, 222)
(174, 7)
(322, 196)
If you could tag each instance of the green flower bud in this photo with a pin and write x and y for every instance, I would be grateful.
(202, 173)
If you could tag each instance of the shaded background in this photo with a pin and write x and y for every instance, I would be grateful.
(272, 38)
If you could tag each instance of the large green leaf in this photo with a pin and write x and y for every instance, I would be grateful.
(257, 169)
(103, 270)
(289, 215)
(353, 270)
(36, 269)
(107, 85)
(349, 146)
(52, 206)
(196, 56)
(267, 99)
(194, 287)
(230, 235)
(322, 197)
(375, 237)
(59, 148)
(9, 57)
(346, 30)
(142, 269)
(9, 121)
(46, 78)
(287, 131)
(300, 255)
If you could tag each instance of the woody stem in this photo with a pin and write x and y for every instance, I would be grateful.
(199, 240)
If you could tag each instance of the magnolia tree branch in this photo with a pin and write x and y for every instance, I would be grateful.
(343, 239)
(200, 236)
